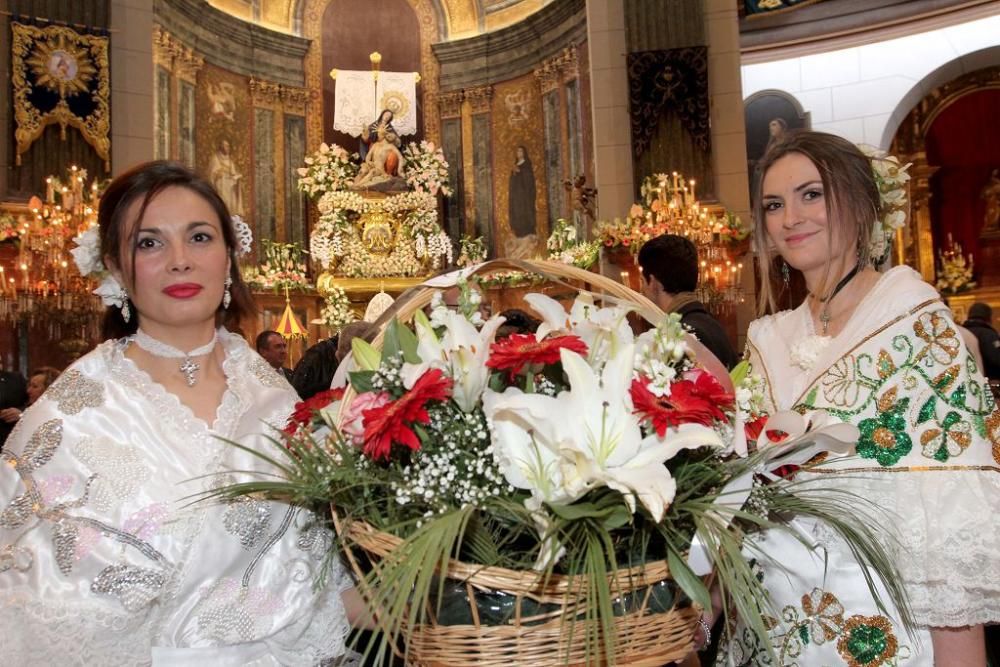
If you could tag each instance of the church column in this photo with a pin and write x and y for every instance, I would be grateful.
(479, 168)
(920, 192)
(549, 80)
(292, 208)
(609, 83)
(266, 150)
(132, 82)
(450, 106)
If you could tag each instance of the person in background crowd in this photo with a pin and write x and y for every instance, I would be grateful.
(315, 370)
(366, 331)
(274, 348)
(669, 265)
(517, 322)
(980, 323)
(13, 394)
(38, 382)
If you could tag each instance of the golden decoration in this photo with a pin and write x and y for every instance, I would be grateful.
(68, 64)
(378, 232)
(395, 101)
(867, 624)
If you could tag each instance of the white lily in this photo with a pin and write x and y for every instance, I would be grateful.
(604, 330)
(560, 459)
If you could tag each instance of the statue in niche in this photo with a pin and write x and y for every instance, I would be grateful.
(383, 165)
(369, 135)
(991, 193)
(226, 179)
(521, 207)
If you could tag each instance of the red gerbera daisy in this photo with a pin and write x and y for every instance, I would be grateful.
(697, 401)
(391, 422)
(304, 410)
(518, 350)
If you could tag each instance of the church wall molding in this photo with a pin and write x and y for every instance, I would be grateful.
(236, 46)
(514, 51)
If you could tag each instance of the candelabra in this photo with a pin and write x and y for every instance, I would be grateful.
(718, 235)
(39, 283)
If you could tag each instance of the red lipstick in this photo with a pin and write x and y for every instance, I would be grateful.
(795, 239)
(183, 290)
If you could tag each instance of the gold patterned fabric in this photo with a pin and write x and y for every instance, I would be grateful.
(60, 76)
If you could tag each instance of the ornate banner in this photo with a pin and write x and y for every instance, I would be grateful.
(354, 104)
(397, 91)
(675, 78)
(60, 76)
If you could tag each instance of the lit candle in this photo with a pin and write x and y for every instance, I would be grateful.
(50, 195)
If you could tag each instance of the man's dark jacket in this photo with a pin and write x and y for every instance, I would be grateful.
(989, 346)
(709, 332)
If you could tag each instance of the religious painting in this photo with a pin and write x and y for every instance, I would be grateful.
(521, 155)
(553, 155)
(483, 182)
(185, 124)
(263, 174)
(161, 130)
(769, 115)
(224, 124)
(295, 156)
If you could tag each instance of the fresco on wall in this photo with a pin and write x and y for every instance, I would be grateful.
(769, 115)
(295, 155)
(185, 124)
(224, 139)
(520, 209)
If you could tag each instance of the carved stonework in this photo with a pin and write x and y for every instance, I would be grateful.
(312, 18)
(480, 98)
(450, 104)
(569, 63)
(562, 67)
(295, 100)
(264, 93)
(171, 54)
(548, 76)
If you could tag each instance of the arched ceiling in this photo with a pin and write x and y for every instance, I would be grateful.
(460, 18)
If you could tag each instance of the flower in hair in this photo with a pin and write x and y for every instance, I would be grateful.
(891, 178)
(87, 256)
(244, 237)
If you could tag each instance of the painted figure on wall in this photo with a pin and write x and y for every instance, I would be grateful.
(370, 134)
(522, 207)
(776, 130)
(223, 99)
(226, 179)
(991, 193)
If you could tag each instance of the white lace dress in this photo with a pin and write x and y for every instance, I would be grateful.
(929, 455)
(105, 559)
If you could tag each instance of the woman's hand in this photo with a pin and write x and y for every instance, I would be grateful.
(10, 415)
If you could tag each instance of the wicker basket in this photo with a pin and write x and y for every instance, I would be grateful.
(644, 635)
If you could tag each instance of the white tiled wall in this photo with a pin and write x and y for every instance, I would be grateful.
(858, 92)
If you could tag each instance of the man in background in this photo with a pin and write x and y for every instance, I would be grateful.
(13, 394)
(274, 348)
(980, 323)
(669, 266)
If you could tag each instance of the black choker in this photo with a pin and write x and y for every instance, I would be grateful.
(824, 315)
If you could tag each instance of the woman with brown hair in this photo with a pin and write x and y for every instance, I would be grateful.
(104, 559)
(879, 351)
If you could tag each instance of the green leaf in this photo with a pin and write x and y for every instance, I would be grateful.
(958, 397)
(361, 380)
(689, 582)
(365, 355)
(619, 516)
(578, 511)
(811, 398)
(740, 372)
(927, 410)
(399, 338)
(390, 342)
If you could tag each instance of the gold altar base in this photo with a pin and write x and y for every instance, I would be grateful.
(363, 289)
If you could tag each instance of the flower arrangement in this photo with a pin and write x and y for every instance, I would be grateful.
(472, 251)
(426, 169)
(329, 168)
(420, 243)
(565, 245)
(337, 311)
(956, 274)
(9, 227)
(283, 268)
(891, 178)
(453, 444)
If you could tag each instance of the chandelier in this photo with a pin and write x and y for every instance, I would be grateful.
(39, 283)
(719, 236)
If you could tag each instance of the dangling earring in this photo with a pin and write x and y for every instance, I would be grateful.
(227, 296)
(126, 311)
(785, 274)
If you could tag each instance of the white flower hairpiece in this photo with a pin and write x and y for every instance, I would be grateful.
(88, 260)
(891, 178)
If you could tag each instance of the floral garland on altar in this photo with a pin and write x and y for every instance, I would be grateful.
(419, 245)
(337, 310)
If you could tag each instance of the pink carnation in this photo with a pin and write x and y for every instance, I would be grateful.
(353, 424)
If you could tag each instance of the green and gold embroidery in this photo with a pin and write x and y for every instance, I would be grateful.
(884, 437)
(867, 641)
